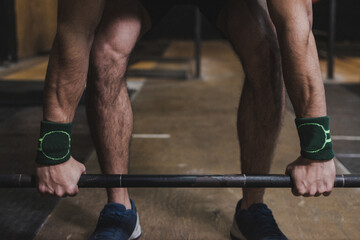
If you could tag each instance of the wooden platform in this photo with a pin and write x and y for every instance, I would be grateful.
(346, 70)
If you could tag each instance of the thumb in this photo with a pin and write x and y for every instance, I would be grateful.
(288, 170)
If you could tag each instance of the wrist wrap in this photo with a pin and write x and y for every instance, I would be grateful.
(315, 139)
(54, 143)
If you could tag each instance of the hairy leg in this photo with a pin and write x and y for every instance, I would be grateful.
(247, 25)
(107, 101)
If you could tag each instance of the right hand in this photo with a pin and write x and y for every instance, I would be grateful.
(312, 178)
(60, 180)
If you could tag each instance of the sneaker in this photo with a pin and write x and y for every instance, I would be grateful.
(117, 223)
(255, 223)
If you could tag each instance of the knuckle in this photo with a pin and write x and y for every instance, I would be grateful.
(301, 190)
(72, 190)
(313, 192)
(326, 194)
(41, 188)
(322, 189)
(59, 192)
(295, 192)
(289, 169)
(329, 187)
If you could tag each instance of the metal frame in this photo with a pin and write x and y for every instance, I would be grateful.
(197, 43)
(331, 39)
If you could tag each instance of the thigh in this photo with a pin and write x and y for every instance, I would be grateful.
(211, 9)
(122, 24)
(157, 9)
(248, 26)
(81, 16)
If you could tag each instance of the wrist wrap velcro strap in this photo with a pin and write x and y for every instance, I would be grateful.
(315, 139)
(54, 143)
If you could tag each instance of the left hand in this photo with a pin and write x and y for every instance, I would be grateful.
(312, 178)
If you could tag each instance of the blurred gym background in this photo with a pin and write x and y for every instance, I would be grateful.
(27, 29)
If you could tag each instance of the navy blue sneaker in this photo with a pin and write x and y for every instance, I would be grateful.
(255, 223)
(117, 223)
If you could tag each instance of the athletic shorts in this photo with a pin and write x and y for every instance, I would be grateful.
(157, 9)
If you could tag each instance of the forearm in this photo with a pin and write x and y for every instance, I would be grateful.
(302, 75)
(66, 77)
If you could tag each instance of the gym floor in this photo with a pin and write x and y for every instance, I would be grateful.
(198, 118)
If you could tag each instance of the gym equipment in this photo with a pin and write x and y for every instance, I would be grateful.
(177, 181)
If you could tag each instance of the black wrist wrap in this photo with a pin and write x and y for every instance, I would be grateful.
(54, 143)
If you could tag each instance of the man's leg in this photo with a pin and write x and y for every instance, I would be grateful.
(248, 27)
(65, 83)
(107, 101)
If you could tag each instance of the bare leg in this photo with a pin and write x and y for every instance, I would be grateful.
(108, 105)
(248, 27)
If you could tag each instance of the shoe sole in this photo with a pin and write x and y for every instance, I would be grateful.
(137, 231)
(235, 232)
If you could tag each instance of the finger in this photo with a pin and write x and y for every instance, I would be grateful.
(302, 191)
(83, 168)
(313, 191)
(295, 192)
(72, 195)
(50, 191)
(300, 186)
(59, 192)
(42, 189)
(288, 170)
(326, 194)
(45, 190)
(73, 191)
(329, 186)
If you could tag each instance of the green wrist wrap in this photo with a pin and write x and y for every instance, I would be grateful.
(54, 143)
(315, 139)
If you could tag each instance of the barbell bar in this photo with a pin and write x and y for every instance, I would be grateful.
(177, 181)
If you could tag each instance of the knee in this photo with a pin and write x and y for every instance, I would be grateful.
(262, 66)
(68, 36)
(110, 56)
(108, 63)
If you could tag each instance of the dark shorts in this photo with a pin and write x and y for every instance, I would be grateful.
(157, 9)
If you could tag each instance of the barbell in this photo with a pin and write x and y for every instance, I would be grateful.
(177, 181)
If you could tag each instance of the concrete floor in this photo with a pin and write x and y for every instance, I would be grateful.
(200, 117)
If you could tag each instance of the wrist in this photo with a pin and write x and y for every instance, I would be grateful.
(58, 117)
(315, 139)
(54, 143)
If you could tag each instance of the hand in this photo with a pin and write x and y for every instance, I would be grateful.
(60, 180)
(312, 178)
